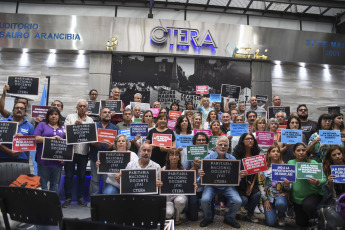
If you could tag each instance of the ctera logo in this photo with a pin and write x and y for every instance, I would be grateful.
(182, 37)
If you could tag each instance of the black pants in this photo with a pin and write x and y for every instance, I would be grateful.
(307, 210)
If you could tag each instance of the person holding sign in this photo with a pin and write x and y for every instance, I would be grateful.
(317, 150)
(121, 144)
(80, 157)
(273, 193)
(137, 98)
(338, 124)
(159, 153)
(196, 121)
(204, 107)
(287, 149)
(116, 118)
(95, 147)
(148, 119)
(199, 138)
(306, 194)
(248, 188)
(24, 129)
(273, 127)
(229, 192)
(156, 104)
(260, 126)
(175, 203)
(334, 156)
(183, 126)
(93, 94)
(234, 139)
(215, 129)
(212, 115)
(49, 170)
(254, 105)
(174, 106)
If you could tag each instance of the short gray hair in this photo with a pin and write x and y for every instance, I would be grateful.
(82, 100)
(222, 138)
(137, 94)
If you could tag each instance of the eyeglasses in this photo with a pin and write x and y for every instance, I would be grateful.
(82, 106)
(302, 110)
(222, 145)
(327, 120)
(19, 108)
(201, 140)
(174, 154)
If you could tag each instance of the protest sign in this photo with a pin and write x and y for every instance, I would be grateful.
(230, 90)
(93, 107)
(126, 132)
(139, 129)
(23, 85)
(273, 110)
(54, 149)
(183, 141)
(212, 142)
(177, 182)
(261, 99)
(215, 98)
(106, 135)
(237, 129)
(221, 172)
(39, 111)
(7, 130)
(173, 115)
(339, 172)
(143, 106)
(162, 140)
(202, 89)
(171, 124)
(280, 172)
(112, 161)
(255, 164)
(206, 131)
(82, 133)
(24, 143)
(264, 138)
(199, 151)
(306, 170)
(330, 137)
(155, 111)
(115, 106)
(291, 136)
(138, 181)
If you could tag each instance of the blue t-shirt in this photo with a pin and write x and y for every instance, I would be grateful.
(26, 129)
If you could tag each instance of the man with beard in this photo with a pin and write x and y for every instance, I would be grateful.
(225, 127)
(24, 129)
(95, 147)
(251, 117)
(308, 126)
(254, 105)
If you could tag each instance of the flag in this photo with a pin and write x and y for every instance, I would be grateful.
(44, 96)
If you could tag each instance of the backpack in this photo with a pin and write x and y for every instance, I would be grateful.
(330, 219)
(27, 181)
(341, 205)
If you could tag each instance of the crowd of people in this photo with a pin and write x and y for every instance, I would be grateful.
(304, 196)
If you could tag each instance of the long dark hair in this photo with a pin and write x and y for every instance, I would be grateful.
(305, 146)
(334, 115)
(327, 162)
(167, 164)
(240, 150)
(322, 116)
(50, 111)
(178, 125)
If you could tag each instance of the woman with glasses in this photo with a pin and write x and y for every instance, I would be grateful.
(204, 107)
(294, 123)
(248, 188)
(175, 203)
(316, 150)
(49, 170)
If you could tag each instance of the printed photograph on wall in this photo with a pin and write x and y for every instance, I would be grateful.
(174, 79)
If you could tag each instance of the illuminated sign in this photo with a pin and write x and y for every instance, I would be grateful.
(185, 37)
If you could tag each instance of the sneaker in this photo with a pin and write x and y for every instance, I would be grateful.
(233, 223)
(281, 222)
(243, 211)
(253, 219)
(205, 223)
(66, 203)
(222, 206)
(81, 202)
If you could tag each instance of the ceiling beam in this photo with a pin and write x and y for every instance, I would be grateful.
(323, 12)
(319, 3)
(249, 4)
(306, 9)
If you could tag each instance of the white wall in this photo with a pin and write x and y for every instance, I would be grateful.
(109, 11)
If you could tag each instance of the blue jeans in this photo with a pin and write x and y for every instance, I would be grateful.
(111, 189)
(250, 202)
(231, 195)
(280, 204)
(96, 178)
(81, 162)
(49, 174)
